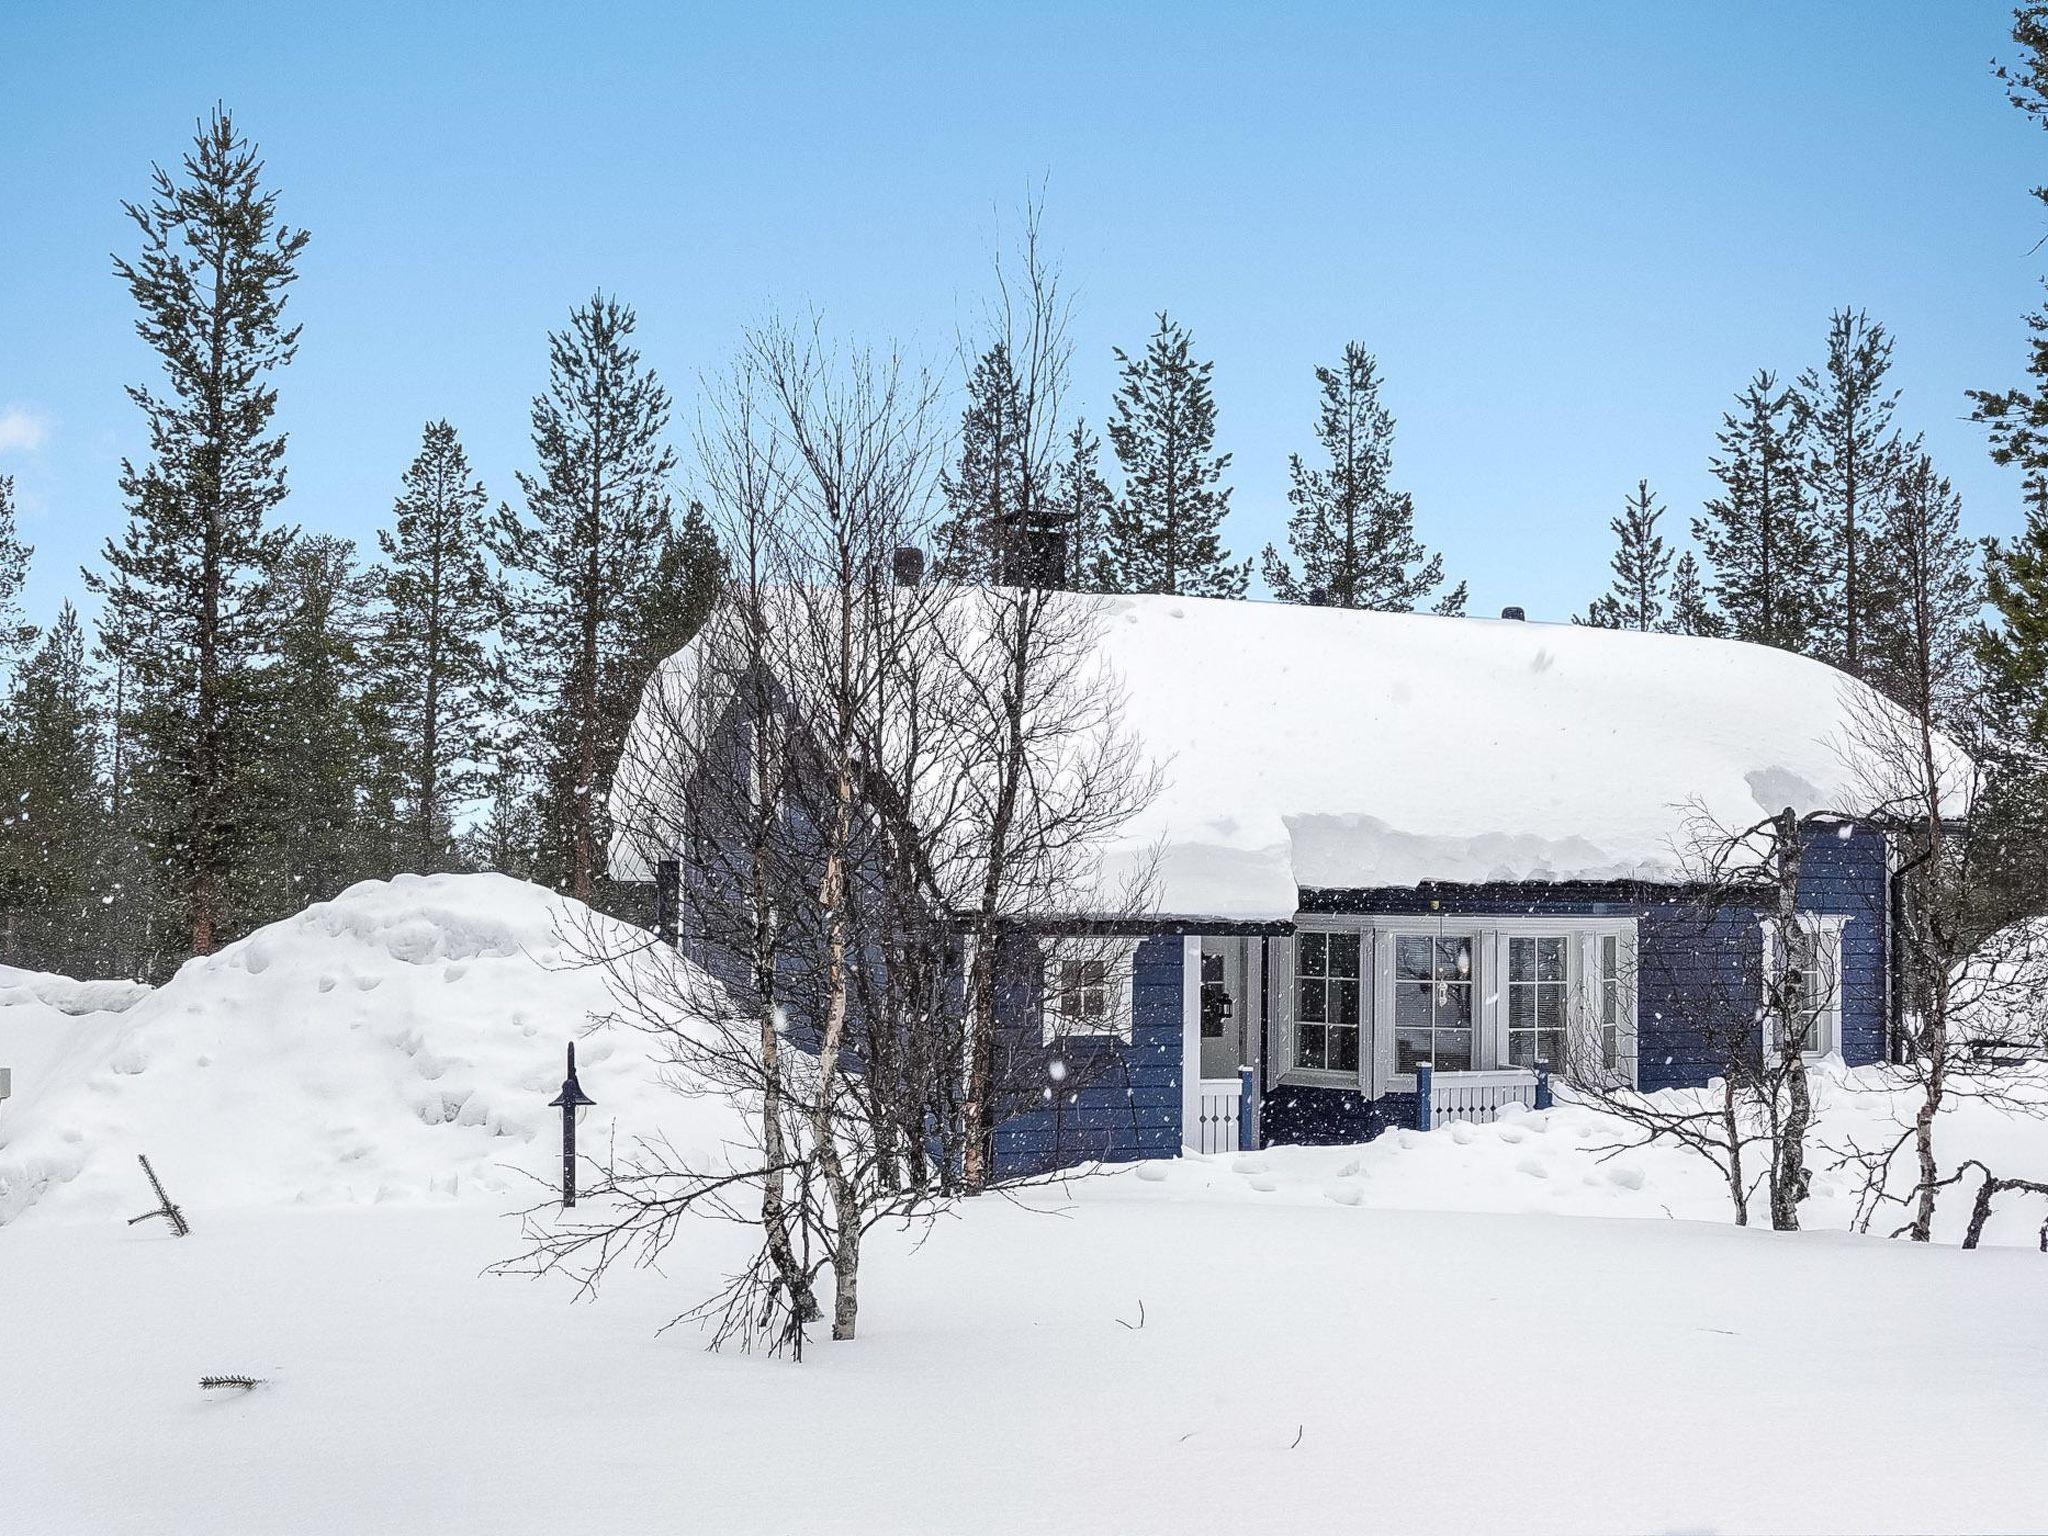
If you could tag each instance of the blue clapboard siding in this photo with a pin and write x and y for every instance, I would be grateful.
(1117, 1102)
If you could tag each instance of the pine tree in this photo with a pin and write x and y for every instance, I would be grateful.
(1852, 454)
(185, 615)
(1164, 533)
(1354, 534)
(16, 634)
(1084, 501)
(582, 560)
(441, 604)
(1769, 565)
(984, 488)
(1641, 565)
(53, 822)
(1692, 613)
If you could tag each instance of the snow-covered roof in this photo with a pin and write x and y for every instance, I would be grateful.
(1318, 747)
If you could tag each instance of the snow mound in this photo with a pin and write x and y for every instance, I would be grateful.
(397, 1043)
(19, 988)
(1578, 1160)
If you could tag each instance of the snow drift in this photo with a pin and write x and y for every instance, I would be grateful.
(397, 1043)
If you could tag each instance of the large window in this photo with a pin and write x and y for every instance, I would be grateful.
(1326, 996)
(1433, 985)
(1537, 1000)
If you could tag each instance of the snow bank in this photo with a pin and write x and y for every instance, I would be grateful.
(61, 994)
(400, 1042)
(1323, 747)
(1574, 1160)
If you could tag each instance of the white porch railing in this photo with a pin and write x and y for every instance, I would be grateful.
(1219, 1101)
(1475, 1096)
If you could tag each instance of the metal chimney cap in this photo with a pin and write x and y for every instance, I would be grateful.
(1513, 612)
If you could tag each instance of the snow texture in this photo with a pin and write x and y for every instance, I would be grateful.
(1321, 747)
(397, 1043)
(1432, 1332)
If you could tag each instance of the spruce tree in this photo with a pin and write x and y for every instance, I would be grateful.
(679, 598)
(325, 826)
(984, 488)
(53, 821)
(1084, 500)
(1936, 597)
(16, 633)
(1353, 534)
(1692, 612)
(1641, 565)
(1770, 570)
(1852, 453)
(582, 559)
(2014, 648)
(1164, 533)
(441, 604)
(185, 616)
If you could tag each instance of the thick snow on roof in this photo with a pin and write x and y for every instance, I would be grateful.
(1317, 747)
(1325, 748)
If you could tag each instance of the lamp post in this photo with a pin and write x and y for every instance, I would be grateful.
(569, 1100)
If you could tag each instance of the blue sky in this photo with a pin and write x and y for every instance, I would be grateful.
(1569, 231)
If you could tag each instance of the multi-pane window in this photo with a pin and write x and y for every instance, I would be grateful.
(1087, 988)
(1326, 994)
(1433, 985)
(1809, 985)
(1082, 997)
(1609, 1001)
(1537, 1000)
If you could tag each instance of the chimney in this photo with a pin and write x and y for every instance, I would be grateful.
(1514, 613)
(909, 565)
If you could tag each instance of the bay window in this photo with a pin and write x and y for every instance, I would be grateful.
(1468, 993)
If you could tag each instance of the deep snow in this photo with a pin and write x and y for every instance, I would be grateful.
(398, 1042)
(1430, 1332)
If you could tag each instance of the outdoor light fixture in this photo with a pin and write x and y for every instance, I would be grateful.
(572, 1100)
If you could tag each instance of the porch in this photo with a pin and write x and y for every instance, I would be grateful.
(1231, 1069)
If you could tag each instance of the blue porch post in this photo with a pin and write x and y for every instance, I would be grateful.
(1542, 1084)
(1247, 1133)
(1424, 1072)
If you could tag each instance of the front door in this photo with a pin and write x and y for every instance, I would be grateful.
(1223, 1007)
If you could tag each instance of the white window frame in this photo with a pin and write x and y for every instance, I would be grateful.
(1827, 929)
(1567, 941)
(1487, 967)
(1489, 934)
(1118, 957)
(1280, 1007)
(1362, 1024)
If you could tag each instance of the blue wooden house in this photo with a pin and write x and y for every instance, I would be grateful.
(1396, 850)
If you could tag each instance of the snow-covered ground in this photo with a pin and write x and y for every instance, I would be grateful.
(1432, 1332)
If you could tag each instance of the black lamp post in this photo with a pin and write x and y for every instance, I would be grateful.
(570, 1099)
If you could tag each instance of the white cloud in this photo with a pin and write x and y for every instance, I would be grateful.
(23, 429)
